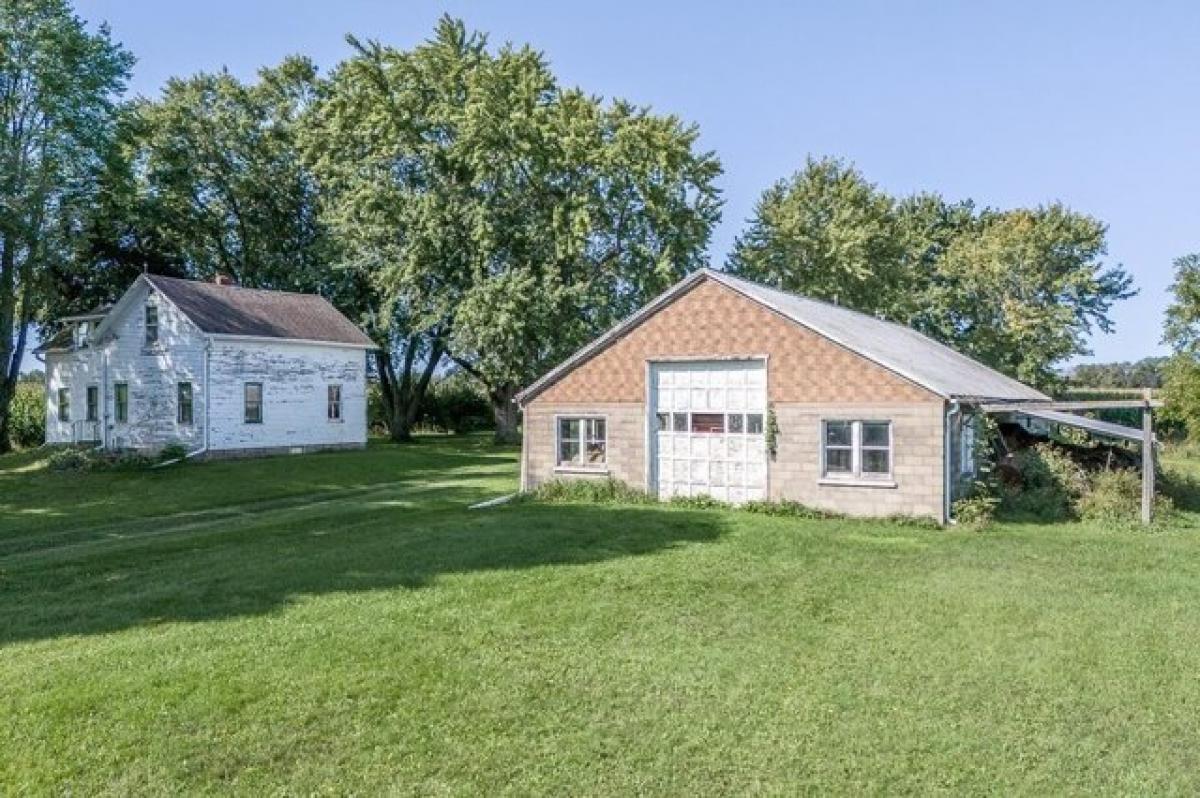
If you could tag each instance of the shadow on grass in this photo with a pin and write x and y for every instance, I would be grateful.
(214, 573)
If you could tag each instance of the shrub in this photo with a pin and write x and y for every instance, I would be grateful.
(1116, 497)
(978, 510)
(172, 451)
(595, 491)
(456, 404)
(1048, 487)
(27, 419)
(786, 507)
(70, 459)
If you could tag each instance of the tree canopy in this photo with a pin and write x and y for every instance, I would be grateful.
(59, 85)
(1019, 289)
(502, 219)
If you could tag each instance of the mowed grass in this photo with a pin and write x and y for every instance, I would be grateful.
(342, 623)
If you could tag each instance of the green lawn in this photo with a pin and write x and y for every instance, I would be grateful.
(341, 623)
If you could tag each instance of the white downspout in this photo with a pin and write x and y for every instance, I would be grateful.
(207, 356)
(948, 465)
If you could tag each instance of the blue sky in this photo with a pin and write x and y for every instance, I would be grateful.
(1010, 103)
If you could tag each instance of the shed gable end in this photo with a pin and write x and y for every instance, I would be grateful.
(713, 321)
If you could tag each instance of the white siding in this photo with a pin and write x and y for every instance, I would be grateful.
(153, 374)
(295, 378)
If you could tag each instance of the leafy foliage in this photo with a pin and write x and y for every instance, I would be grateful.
(1019, 290)
(1181, 388)
(504, 219)
(58, 84)
(27, 419)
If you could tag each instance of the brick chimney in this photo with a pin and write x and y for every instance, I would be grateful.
(224, 279)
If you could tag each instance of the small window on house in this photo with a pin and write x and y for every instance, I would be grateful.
(253, 401)
(184, 403)
(582, 442)
(93, 403)
(857, 449)
(121, 402)
(754, 423)
(151, 325)
(64, 404)
(679, 422)
(333, 409)
(81, 334)
(736, 423)
(708, 422)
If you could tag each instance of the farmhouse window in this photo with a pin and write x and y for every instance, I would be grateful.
(582, 442)
(151, 325)
(254, 403)
(857, 449)
(93, 403)
(64, 404)
(185, 403)
(334, 404)
(121, 402)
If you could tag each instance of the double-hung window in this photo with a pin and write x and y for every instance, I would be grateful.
(64, 404)
(151, 325)
(582, 442)
(121, 402)
(93, 403)
(333, 404)
(253, 403)
(856, 449)
(184, 403)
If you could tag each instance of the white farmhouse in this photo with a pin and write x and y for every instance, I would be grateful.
(221, 369)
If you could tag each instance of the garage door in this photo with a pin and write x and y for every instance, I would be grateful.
(707, 429)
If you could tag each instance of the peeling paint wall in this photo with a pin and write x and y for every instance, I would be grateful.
(151, 372)
(295, 379)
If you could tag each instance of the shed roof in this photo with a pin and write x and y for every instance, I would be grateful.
(1094, 425)
(900, 349)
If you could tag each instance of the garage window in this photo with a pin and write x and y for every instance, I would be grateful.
(582, 442)
(857, 449)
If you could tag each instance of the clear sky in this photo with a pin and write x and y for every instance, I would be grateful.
(1010, 103)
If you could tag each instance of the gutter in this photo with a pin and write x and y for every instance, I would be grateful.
(952, 411)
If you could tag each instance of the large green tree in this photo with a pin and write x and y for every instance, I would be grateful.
(1019, 289)
(1181, 331)
(503, 219)
(59, 84)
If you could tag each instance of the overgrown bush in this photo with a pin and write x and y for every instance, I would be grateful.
(976, 510)
(457, 404)
(172, 451)
(74, 458)
(786, 507)
(27, 420)
(1116, 497)
(595, 491)
(70, 459)
(1049, 484)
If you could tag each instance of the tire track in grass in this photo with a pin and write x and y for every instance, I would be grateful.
(262, 513)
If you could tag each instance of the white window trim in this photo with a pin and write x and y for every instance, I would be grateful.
(117, 405)
(561, 468)
(262, 402)
(855, 477)
(146, 342)
(341, 416)
(191, 422)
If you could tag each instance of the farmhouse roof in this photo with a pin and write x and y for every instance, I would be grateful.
(898, 348)
(233, 310)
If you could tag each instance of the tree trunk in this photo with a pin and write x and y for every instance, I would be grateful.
(10, 356)
(403, 394)
(506, 413)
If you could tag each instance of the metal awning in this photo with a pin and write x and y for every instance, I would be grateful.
(1104, 428)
